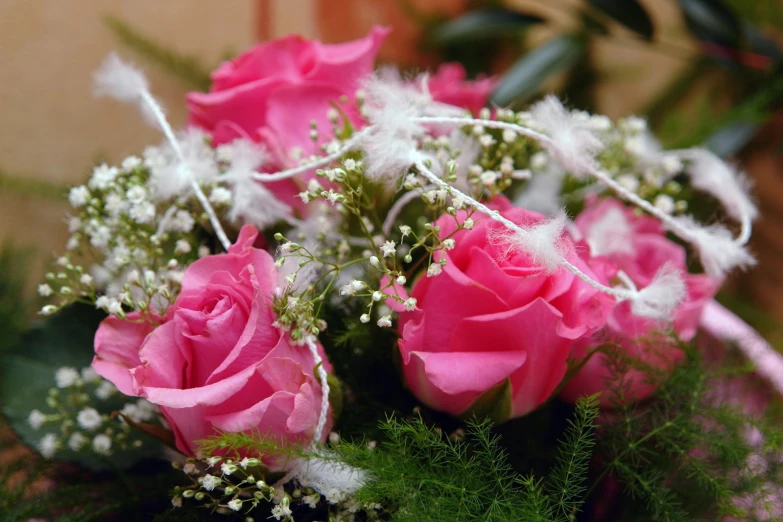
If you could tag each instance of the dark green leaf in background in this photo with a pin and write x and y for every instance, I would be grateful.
(711, 20)
(27, 374)
(630, 13)
(482, 24)
(525, 78)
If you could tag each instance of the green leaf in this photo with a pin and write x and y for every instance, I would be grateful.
(711, 20)
(526, 76)
(27, 374)
(630, 13)
(482, 24)
(494, 404)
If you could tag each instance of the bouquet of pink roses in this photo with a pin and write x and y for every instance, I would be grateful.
(346, 294)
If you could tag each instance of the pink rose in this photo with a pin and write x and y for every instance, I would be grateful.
(217, 361)
(272, 92)
(492, 317)
(449, 85)
(615, 239)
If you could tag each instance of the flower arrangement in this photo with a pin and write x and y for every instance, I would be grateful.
(345, 294)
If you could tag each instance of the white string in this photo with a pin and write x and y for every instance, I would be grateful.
(157, 112)
(400, 204)
(619, 293)
(321, 162)
(322, 376)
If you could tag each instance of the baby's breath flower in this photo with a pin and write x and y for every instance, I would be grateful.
(130, 163)
(388, 248)
(210, 482)
(44, 290)
(89, 419)
(235, 504)
(89, 374)
(227, 468)
(77, 441)
(468, 224)
(101, 444)
(629, 182)
(85, 279)
(79, 196)
(385, 321)
(105, 390)
(401, 280)
(48, 445)
(365, 318)
(449, 244)
(434, 270)
(182, 247)
(374, 261)
(220, 196)
(664, 203)
(410, 304)
(65, 377)
(36, 419)
(405, 230)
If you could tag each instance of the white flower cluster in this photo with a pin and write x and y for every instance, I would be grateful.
(79, 425)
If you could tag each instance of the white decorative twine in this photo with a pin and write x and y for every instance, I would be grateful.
(322, 376)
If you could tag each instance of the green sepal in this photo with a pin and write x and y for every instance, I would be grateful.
(494, 404)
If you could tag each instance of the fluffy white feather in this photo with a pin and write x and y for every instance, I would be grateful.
(542, 242)
(169, 177)
(251, 201)
(718, 251)
(542, 192)
(662, 296)
(610, 234)
(333, 479)
(124, 82)
(574, 142)
(712, 175)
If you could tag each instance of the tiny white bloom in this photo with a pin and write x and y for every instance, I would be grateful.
(434, 269)
(176, 502)
(449, 244)
(114, 307)
(143, 213)
(539, 161)
(77, 441)
(48, 310)
(102, 176)
(334, 495)
(410, 304)
(486, 140)
(44, 290)
(349, 164)
(48, 445)
(86, 279)
(210, 482)
(235, 504)
(105, 390)
(628, 182)
(401, 280)
(227, 468)
(102, 302)
(377, 296)
(136, 194)
(634, 145)
(468, 224)
(388, 248)
(280, 512)
(182, 222)
(405, 230)
(89, 419)
(189, 468)
(130, 163)
(182, 247)
(101, 444)
(220, 196)
(100, 237)
(509, 136)
(72, 244)
(66, 377)
(600, 122)
(36, 419)
(374, 261)
(211, 461)
(385, 321)
(664, 203)
(671, 164)
(79, 196)
(74, 224)
(203, 251)
(365, 318)
(89, 374)
(635, 124)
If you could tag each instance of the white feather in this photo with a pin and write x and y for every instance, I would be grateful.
(542, 242)
(329, 476)
(169, 177)
(251, 201)
(542, 192)
(574, 142)
(610, 234)
(718, 251)
(712, 175)
(124, 82)
(662, 296)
